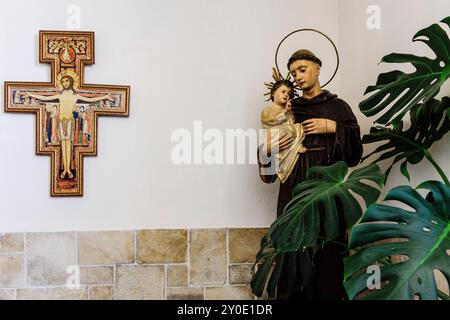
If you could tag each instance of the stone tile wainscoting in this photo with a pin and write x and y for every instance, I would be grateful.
(146, 264)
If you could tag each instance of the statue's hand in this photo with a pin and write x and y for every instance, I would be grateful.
(303, 150)
(285, 141)
(319, 126)
(275, 141)
(288, 106)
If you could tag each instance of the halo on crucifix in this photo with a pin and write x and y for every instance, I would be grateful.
(68, 73)
(66, 108)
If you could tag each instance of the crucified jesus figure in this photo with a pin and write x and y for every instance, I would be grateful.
(68, 98)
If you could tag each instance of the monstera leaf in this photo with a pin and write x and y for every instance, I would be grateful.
(410, 88)
(267, 258)
(299, 226)
(427, 246)
(429, 123)
(273, 262)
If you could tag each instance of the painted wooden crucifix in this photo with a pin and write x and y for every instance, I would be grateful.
(66, 108)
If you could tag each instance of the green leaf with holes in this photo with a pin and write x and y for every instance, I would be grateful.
(429, 124)
(324, 186)
(299, 226)
(421, 234)
(398, 91)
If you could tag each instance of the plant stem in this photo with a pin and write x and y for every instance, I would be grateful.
(436, 166)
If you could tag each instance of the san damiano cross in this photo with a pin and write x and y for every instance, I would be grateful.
(66, 108)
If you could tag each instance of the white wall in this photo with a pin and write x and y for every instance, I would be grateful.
(362, 50)
(185, 60)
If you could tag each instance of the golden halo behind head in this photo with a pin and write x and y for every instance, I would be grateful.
(69, 73)
(316, 31)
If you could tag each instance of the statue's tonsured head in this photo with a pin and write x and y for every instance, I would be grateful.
(303, 54)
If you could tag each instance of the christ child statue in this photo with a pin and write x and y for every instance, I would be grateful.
(278, 121)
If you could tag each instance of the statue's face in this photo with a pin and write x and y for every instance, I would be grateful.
(281, 95)
(66, 83)
(306, 73)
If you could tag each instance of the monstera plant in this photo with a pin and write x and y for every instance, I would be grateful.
(422, 235)
(410, 88)
(429, 123)
(418, 238)
(298, 227)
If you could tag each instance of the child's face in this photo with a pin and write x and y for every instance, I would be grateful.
(282, 95)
